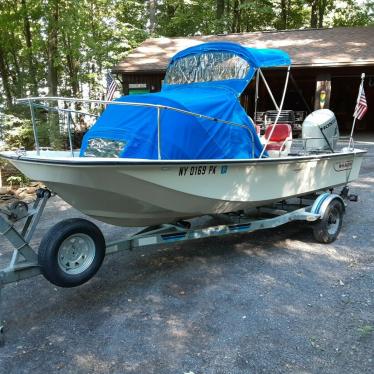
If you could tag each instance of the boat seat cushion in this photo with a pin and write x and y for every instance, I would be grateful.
(281, 132)
(279, 144)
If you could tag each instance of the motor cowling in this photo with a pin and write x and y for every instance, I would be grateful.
(320, 131)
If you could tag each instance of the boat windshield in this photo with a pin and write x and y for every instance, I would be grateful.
(207, 67)
(99, 147)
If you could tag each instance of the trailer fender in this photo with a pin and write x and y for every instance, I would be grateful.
(323, 201)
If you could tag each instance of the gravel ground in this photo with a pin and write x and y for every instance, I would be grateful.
(267, 302)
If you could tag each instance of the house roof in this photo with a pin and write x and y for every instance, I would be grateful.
(344, 46)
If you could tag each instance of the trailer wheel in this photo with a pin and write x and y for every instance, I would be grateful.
(71, 252)
(327, 229)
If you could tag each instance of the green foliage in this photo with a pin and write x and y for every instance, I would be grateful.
(191, 17)
(17, 132)
(65, 47)
(182, 18)
(349, 13)
(58, 46)
(257, 15)
(18, 180)
(292, 14)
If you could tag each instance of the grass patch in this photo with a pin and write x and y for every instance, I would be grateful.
(365, 331)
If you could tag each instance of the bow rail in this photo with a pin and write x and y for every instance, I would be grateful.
(31, 102)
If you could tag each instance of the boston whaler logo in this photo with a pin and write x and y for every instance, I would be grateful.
(343, 165)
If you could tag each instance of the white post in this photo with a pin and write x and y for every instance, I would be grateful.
(34, 128)
(69, 134)
(256, 93)
(351, 142)
(159, 133)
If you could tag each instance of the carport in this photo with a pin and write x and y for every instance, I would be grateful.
(329, 60)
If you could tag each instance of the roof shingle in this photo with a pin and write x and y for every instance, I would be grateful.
(309, 47)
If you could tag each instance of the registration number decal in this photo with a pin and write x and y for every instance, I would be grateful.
(343, 165)
(203, 170)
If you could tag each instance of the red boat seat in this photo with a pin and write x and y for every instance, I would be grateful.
(281, 132)
(280, 141)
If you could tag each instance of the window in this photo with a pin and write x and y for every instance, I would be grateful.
(99, 147)
(207, 67)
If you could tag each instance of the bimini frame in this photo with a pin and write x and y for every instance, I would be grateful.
(278, 107)
(259, 74)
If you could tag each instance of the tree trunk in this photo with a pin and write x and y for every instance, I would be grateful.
(17, 76)
(28, 37)
(72, 66)
(321, 10)
(220, 9)
(52, 50)
(170, 11)
(314, 14)
(228, 9)
(55, 140)
(284, 14)
(152, 15)
(4, 73)
(236, 17)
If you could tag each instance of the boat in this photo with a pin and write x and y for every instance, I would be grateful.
(158, 160)
(191, 150)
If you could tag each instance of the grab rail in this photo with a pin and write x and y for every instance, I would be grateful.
(53, 109)
(30, 100)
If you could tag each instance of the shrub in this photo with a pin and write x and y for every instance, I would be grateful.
(17, 132)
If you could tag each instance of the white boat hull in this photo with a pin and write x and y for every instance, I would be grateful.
(127, 192)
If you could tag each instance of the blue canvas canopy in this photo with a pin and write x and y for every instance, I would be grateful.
(257, 57)
(207, 80)
(248, 59)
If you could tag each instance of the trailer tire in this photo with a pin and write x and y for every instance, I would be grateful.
(71, 252)
(327, 229)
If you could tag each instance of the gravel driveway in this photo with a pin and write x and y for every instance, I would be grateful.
(267, 302)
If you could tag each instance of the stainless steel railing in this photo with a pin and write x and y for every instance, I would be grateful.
(301, 146)
(31, 102)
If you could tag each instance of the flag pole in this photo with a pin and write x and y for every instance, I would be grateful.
(351, 143)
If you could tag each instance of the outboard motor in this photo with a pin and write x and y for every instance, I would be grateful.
(320, 131)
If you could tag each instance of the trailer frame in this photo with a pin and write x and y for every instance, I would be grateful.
(24, 260)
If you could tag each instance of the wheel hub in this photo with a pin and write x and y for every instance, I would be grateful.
(76, 253)
(333, 222)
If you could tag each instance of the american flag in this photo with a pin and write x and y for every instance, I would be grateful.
(111, 87)
(361, 106)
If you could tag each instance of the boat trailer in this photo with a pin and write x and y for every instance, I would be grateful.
(72, 251)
